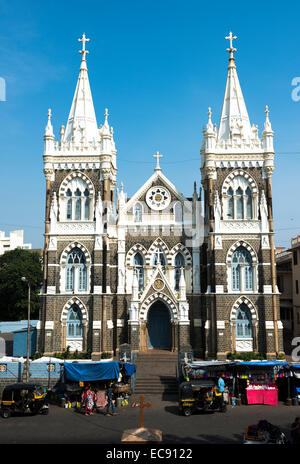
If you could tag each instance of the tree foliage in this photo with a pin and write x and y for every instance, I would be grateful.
(14, 265)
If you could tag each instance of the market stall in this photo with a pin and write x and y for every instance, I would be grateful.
(253, 382)
(98, 375)
(257, 381)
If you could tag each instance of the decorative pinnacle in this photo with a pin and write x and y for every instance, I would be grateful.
(106, 114)
(49, 128)
(231, 49)
(83, 52)
(267, 111)
(157, 156)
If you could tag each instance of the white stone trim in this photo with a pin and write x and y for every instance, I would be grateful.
(72, 176)
(51, 289)
(251, 306)
(97, 325)
(171, 305)
(207, 324)
(242, 173)
(219, 288)
(49, 325)
(120, 322)
(67, 306)
(269, 324)
(245, 245)
(267, 289)
(97, 289)
(110, 324)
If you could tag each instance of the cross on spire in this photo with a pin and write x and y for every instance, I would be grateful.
(83, 52)
(157, 156)
(231, 49)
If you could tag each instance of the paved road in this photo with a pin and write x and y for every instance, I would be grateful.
(65, 426)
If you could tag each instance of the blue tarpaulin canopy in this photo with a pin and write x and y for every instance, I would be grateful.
(260, 363)
(129, 369)
(85, 372)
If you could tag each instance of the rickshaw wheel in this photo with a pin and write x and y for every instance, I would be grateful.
(187, 412)
(5, 413)
(223, 408)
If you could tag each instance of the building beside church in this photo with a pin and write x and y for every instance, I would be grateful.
(159, 270)
(14, 240)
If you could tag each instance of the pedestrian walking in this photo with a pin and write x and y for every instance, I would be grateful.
(95, 399)
(110, 403)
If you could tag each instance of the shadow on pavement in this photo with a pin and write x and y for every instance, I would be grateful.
(202, 440)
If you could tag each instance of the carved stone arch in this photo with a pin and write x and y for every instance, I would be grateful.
(245, 245)
(73, 175)
(158, 296)
(160, 244)
(236, 173)
(247, 302)
(67, 306)
(180, 248)
(138, 248)
(75, 245)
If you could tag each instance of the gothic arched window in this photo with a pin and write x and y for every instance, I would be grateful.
(243, 323)
(69, 204)
(179, 263)
(239, 199)
(87, 204)
(178, 214)
(249, 207)
(230, 210)
(139, 266)
(138, 212)
(74, 322)
(241, 270)
(76, 206)
(239, 204)
(76, 271)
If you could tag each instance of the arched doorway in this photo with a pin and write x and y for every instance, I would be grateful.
(159, 327)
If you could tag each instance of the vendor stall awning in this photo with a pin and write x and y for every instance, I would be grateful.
(129, 369)
(91, 371)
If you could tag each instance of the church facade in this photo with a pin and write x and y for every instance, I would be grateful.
(159, 270)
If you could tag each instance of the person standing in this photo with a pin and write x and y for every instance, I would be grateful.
(110, 403)
(88, 401)
(221, 385)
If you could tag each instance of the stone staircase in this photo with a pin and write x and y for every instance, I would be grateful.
(156, 373)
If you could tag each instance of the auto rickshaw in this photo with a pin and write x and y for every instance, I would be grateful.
(23, 398)
(200, 395)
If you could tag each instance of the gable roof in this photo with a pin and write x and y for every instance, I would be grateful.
(156, 176)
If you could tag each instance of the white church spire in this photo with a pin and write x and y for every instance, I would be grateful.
(82, 124)
(234, 120)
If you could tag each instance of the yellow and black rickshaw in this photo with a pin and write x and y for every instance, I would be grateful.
(200, 395)
(23, 398)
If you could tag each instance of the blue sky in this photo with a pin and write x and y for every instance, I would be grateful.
(157, 66)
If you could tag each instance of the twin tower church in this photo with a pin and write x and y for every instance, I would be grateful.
(160, 270)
